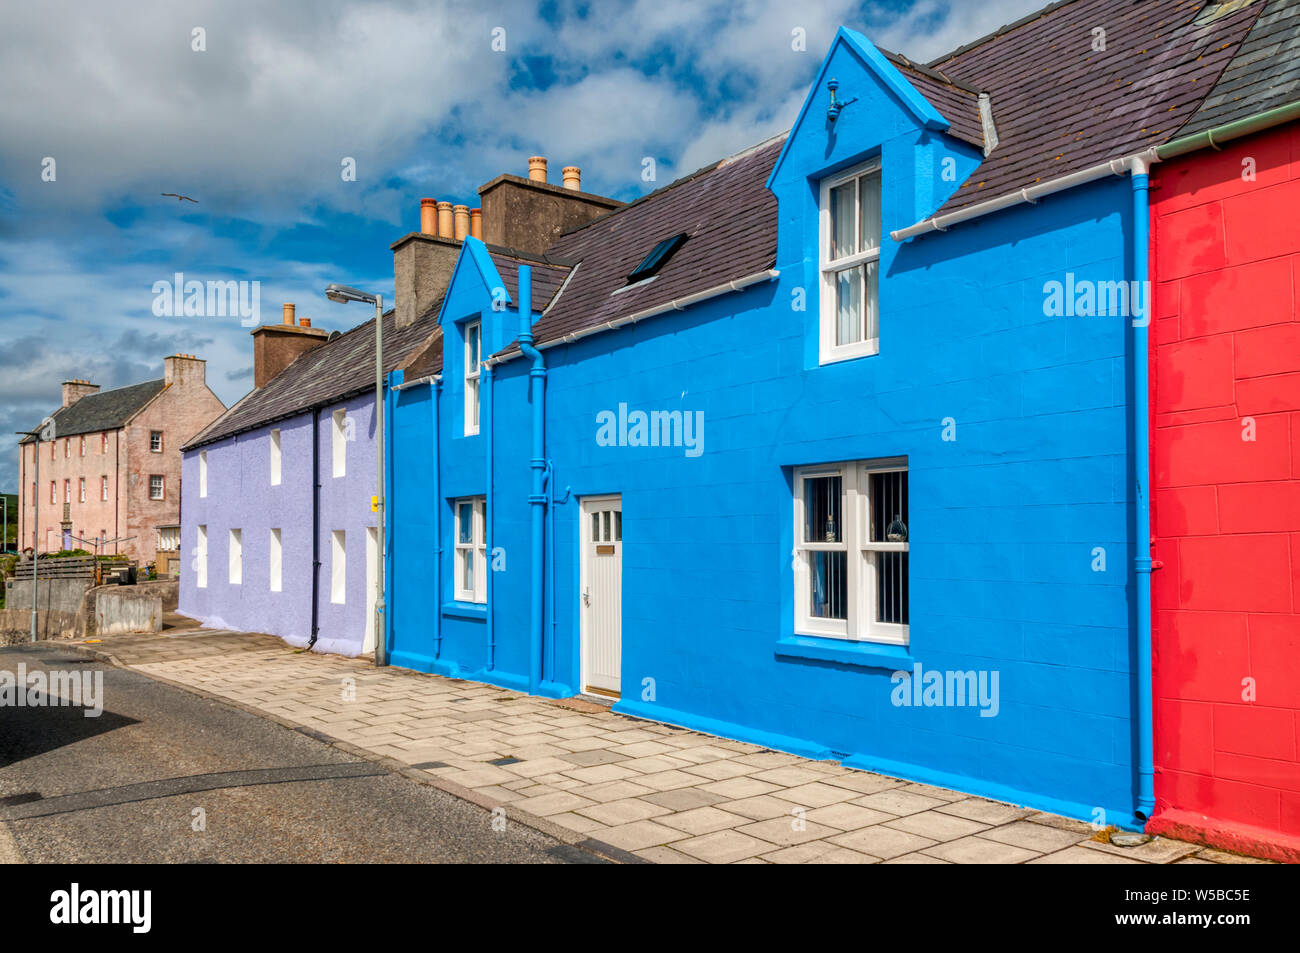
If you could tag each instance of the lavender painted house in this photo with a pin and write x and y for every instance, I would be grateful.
(276, 522)
(277, 530)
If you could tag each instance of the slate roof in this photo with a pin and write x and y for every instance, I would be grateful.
(956, 102)
(1263, 75)
(107, 410)
(335, 371)
(725, 209)
(1060, 107)
(548, 274)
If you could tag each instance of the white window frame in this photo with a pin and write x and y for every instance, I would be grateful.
(235, 557)
(829, 351)
(162, 486)
(83, 445)
(203, 473)
(473, 396)
(201, 556)
(103, 489)
(861, 624)
(339, 567)
(103, 443)
(159, 441)
(81, 489)
(275, 457)
(475, 550)
(67, 491)
(275, 560)
(339, 444)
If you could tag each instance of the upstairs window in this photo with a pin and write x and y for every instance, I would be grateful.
(83, 446)
(850, 253)
(657, 258)
(275, 457)
(156, 487)
(81, 489)
(155, 441)
(103, 488)
(103, 443)
(851, 551)
(473, 355)
(203, 473)
(339, 442)
(67, 491)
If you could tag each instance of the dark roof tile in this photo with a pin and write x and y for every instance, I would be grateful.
(106, 410)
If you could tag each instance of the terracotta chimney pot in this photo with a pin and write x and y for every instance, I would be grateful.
(573, 178)
(288, 313)
(476, 223)
(462, 222)
(444, 220)
(537, 168)
(429, 216)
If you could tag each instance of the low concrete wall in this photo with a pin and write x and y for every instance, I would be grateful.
(16, 625)
(120, 609)
(60, 595)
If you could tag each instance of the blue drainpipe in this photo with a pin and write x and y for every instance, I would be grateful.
(435, 393)
(1146, 800)
(485, 375)
(390, 404)
(537, 464)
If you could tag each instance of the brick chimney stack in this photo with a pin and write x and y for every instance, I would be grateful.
(74, 390)
(181, 369)
(276, 346)
(528, 214)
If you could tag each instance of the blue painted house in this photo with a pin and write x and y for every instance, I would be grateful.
(801, 449)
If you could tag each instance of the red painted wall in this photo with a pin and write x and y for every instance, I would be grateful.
(1226, 510)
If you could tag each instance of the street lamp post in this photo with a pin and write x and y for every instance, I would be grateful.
(47, 430)
(342, 294)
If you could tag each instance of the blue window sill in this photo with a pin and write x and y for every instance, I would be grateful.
(860, 654)
(465, 610)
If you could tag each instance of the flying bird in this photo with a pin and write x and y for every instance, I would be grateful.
(173, 195)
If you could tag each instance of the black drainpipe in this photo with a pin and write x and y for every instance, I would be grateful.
(315, 525)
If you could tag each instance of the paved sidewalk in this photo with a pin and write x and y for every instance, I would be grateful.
(582, 773)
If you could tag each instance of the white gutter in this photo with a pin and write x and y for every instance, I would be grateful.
(426, 379)
(678, 304)
(941, 223)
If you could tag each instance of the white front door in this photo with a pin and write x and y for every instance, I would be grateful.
(372, 577)
(601, 599)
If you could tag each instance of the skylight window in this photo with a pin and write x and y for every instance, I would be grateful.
(657, 258)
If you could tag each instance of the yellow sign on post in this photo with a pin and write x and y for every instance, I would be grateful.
(374, 504)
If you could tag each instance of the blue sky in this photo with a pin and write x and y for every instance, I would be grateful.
(256, 127)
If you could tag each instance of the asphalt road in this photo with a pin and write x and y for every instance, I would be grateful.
(125, 787)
